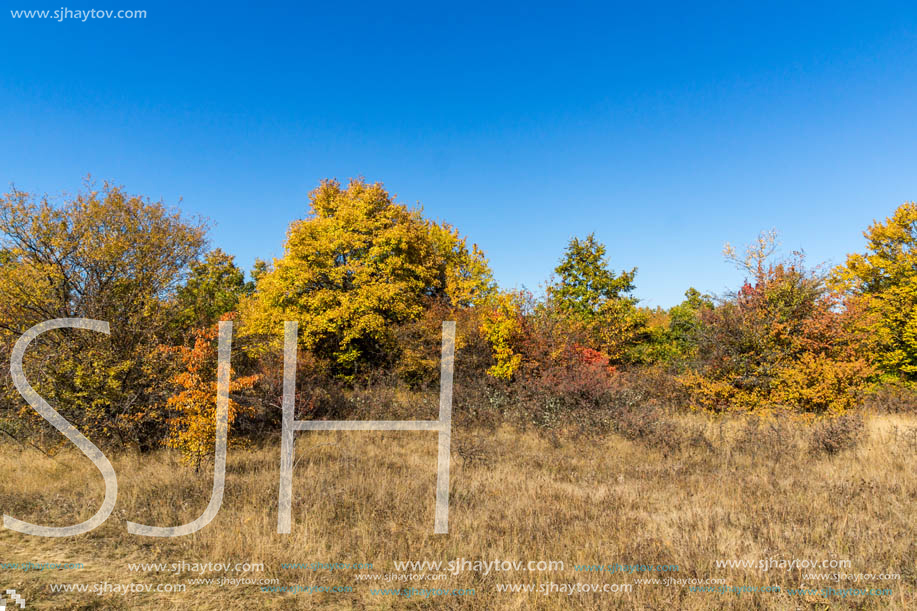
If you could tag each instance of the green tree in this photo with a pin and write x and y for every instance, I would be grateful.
(672, 335)
(212, 289)
(685, 321)
(104, 255)
(358, 265)
(885, 279)
(587, 293)
(584, 284)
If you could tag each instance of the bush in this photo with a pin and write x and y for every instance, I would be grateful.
(652, 428)
(833, 435)
(574, 389)
(775, 438)
(891, 398)
(636, 423)
(781, 341)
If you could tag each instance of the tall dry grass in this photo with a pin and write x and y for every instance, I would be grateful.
(686, 491)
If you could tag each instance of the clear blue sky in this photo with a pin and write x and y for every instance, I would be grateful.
(666, 130)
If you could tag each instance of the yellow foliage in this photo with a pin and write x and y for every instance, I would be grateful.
(358, 265)
(783, 343)
(816, 383)
(885, 279)
(102, 254)
(500, 325)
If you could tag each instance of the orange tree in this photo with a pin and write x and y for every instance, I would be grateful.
(192, 426)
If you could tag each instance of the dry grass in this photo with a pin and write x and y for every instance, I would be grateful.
(725, 491)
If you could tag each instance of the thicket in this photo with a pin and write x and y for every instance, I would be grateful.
(370, 281)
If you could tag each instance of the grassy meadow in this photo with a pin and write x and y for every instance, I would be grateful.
(724, 489)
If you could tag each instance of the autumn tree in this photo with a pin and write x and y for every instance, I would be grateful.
(782, 341)
(885, 279)
(501, 325)
(105, 255)
(192, 421)
(358, 265)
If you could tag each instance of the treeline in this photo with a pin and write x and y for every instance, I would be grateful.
(370, 281)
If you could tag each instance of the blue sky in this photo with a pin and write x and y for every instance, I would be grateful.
(666, 129)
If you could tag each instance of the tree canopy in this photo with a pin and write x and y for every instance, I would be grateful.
(885, 277)
(213, 288)
(587, 293)
(104, 255)
(359, 264)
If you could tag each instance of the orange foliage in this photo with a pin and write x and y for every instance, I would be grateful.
(784, 343)
(193, 429)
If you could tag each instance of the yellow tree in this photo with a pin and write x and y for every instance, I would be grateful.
(501, 325)
(106, 255)
(885, 279)
(359, 264)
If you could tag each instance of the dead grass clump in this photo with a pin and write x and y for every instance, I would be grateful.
(904, 439)
(775, 438)
(650, 427)
(637, 423)
(474, 449)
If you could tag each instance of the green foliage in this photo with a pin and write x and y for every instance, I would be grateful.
(213, 288)
(259, 269)
(585, 286)
(671, 337)
(885, 278)
(685, 322)
(589, 295)
(359, 265)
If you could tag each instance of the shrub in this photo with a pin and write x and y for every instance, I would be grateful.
(652, 428)
(634, 422)
(775, 438)
(832, 435)
(781, 341)
(192, 429)
(573, 389)
(891, 398)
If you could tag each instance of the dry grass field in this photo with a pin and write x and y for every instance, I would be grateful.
(726, 491)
